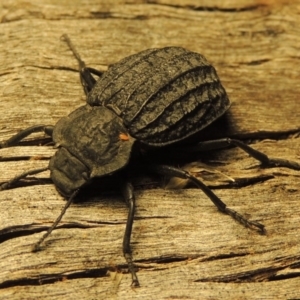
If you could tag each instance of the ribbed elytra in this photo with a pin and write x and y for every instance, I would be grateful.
(163, 95)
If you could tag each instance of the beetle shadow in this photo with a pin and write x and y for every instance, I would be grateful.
(175, 154)
(223, 127)
(104, 188)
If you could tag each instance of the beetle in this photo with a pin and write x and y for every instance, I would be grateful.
(154, 99)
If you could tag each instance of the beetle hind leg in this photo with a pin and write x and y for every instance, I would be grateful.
(258, 155)
(263, 158)
(172, 171)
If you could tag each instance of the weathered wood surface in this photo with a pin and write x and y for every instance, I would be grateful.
(184, 248)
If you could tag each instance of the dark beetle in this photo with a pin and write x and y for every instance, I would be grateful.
(158, 97)
(163, 96)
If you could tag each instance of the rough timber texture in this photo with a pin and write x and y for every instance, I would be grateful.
(183, 247)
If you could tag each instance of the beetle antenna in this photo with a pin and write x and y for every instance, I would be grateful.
(37, 246)
(66, 39)
(86, 78)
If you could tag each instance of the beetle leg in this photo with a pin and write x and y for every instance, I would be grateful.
(95, 71)
(263, 158)
(130, 200)
(172, 171)
(8, 184)
(223, 143)
(86, 78)
(14, 140)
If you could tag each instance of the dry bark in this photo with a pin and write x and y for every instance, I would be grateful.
(183, 247)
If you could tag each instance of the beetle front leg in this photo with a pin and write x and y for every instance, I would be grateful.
(15, 139)
(130, 200)
(11, 182)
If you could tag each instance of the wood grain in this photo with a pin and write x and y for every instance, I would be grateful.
(183, 247)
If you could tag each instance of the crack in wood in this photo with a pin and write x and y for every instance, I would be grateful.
(226, 256)
(212, 8)
(52, 278)
(16, 231)
(257, 275)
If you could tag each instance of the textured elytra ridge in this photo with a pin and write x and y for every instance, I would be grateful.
(163, 95)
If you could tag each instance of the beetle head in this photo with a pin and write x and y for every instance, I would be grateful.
(92, 142)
